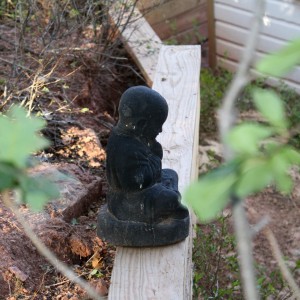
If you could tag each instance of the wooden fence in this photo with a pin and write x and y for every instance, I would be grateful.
(222, 28)
(232, 21)
(179, 22)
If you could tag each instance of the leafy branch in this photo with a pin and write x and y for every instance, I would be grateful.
(19, 138)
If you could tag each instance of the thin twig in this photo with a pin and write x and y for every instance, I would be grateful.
(260, 225)
(226, 120)
(244, 247)
(227, 115)
(26, 49)
(42, 249)
(65, 281)
(280, 261)
(14, 63)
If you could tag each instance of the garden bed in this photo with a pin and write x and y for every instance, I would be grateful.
(79, 100)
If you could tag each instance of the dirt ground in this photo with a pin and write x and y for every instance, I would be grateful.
(284, 221)
(24, 274)
(80, 110)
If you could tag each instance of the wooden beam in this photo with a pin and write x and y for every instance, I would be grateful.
(140, 40)
(211, 34)
(166, 272)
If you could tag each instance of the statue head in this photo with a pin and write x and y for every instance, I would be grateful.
(142, 112)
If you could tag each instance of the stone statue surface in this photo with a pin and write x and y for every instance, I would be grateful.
(143, 202)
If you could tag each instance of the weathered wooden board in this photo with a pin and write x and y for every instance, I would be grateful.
(189, 20)
(232, 66)
(166, 272)
(239, 36)
(276, 28)
(281, 10)
(178, 22)
(149, 4)
(234, 52)
(233, 23)
(171, 9)
(140, 41)
(189, 37)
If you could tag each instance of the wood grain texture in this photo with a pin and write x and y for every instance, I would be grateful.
(189, 36)
(140, 41)
(233, 23)
(177, 20)
(239, 36)
(281, 10)
(166, 272)
(189, 20)
(280, 29)
(150, 4)
(171, 9)
(232, 66)
(234, 52)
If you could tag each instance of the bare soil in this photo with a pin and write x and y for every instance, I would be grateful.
(80, 110)
(284, 221)
(280, 213)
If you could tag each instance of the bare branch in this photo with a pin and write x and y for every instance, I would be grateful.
(227, 117)
(280, 261)
(42, 249)
(260, 225)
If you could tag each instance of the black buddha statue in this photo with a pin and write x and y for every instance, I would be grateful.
(143, 203)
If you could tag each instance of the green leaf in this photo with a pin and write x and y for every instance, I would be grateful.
(280, 162)
(36, 200)
(255, 175)
(18, 137)
(7, 176)
(74, 221)
(74, 13)
(94, 272)
(211, 193)
(84, 110)
(37, 192)
(291, 155)
(279, 63)
(45, 89)
(271, 107)
(245, 138)
(279, 166)
(284, 183)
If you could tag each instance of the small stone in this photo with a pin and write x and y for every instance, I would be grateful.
(101, 288)
(18, 273)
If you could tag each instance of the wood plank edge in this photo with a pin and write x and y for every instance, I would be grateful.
(134, 50)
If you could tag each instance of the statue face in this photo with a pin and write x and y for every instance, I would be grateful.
(152, 129)
(142, 112)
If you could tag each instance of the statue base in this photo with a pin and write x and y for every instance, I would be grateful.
(140, 234)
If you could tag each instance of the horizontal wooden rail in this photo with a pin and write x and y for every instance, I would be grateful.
(166, 272)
